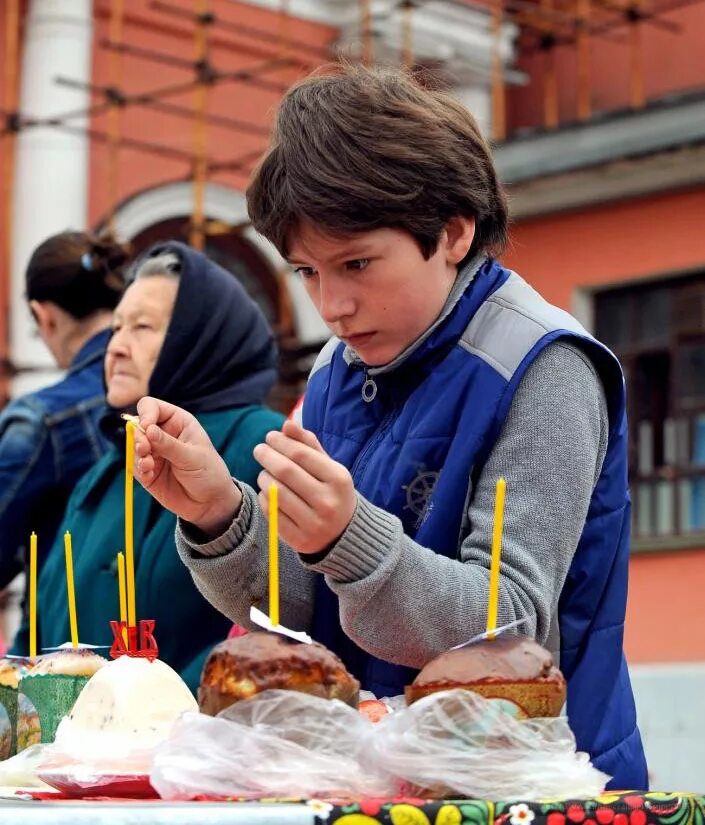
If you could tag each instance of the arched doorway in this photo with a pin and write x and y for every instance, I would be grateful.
(237, 255)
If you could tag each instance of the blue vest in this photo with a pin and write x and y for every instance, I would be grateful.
(433, 421)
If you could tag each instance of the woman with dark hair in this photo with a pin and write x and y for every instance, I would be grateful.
(49, 438)
(186, 330)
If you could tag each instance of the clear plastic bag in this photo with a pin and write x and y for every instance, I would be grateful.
(456, 743)
(277, 744)
(20, 771)
(96, 752)
(87, 763)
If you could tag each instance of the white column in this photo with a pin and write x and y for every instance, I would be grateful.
(478, 100)
(51, 171)
(457, 39)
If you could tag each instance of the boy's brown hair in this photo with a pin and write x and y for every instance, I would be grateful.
(363, 149)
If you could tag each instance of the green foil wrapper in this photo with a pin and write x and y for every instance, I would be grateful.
(8, 721)
(43, 702)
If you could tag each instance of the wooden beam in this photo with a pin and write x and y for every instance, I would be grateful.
(550, 76)
(366, 33)
(114, 113)
(407, 33)
(499, 116)
(200, 133)
(583, 58)
(637, 92)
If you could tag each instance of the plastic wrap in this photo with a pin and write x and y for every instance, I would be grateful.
(456, 743)
(279, 744)
(89, 763)
(20, 771)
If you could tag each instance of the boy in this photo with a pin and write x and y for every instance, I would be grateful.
(446, 372)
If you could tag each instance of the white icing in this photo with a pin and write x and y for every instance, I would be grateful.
(128, 706)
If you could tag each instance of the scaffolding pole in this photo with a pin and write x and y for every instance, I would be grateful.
(637, 93)
(499, 115)
(366, 33)
(407, 33)
(200, 141)
(550, 75)
(583, 58)
(114, 112)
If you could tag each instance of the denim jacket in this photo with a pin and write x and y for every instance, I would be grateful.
(48, 439)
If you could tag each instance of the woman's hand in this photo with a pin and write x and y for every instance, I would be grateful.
(316, 494)
(178, 465)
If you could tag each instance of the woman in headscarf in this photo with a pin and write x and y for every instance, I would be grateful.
(186, 331)
(49, 438)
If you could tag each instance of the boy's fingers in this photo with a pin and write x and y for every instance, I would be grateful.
(142, 446)
(288, 501)
(167, 447)
(148, 411)
(295, 464)
(304, 449)
(145, 471)
(145, 465)
(168, 416)
(286, 472)
(287, 528)
(294, 430)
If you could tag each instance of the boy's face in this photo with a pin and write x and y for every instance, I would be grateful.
(375, 290)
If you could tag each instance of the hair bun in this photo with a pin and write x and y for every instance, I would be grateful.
(108, 257)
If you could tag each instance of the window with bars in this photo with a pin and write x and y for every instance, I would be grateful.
(657, 330)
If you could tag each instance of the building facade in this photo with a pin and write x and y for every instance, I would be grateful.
(607, 186)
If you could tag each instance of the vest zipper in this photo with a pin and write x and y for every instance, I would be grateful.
(369, 389)
(359, 466)
(368, 396)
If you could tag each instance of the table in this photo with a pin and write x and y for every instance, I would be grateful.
(624, 808)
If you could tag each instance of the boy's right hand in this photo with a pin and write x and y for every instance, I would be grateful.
(177, 463)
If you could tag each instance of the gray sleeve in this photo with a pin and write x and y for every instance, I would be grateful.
(232, 570)
(405, 603)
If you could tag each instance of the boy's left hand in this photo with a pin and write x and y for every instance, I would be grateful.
(316, 494)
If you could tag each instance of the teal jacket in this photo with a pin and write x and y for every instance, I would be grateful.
(187, 627)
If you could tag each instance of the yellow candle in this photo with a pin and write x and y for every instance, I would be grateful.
(33, 595)
(273, 555)
(129, 529)
(70, 590)
(122, 593)
(496, 554)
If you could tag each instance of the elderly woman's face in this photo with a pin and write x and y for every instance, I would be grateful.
(139, 326)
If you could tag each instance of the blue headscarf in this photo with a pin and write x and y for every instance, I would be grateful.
(219, 350)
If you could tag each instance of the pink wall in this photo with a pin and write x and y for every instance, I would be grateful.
(666, 614)
(609, 243)
(672, 63)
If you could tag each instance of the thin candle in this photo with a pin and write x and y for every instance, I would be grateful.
(273, 555)
(70, 590)
(129, 522)
(135, 420)
(33, 595)
(497, 527)
(122, 593)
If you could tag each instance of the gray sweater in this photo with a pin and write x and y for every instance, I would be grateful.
(405, 603)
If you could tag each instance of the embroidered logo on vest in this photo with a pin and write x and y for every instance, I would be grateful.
(418, 494)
